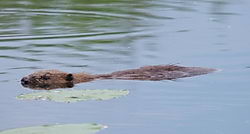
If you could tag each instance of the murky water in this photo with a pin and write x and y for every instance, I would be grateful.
(108, 35)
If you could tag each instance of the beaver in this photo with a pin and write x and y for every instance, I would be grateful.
(52, 79)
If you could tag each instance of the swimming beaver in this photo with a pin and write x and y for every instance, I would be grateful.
(51, 79)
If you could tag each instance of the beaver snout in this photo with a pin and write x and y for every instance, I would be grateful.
(24, 81)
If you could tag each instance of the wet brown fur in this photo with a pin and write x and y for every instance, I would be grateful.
(51, 79)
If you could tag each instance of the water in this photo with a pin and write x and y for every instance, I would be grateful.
(108, 35)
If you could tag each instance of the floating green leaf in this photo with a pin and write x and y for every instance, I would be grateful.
(74, 95)
(57, 129)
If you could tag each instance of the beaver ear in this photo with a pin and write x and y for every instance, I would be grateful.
(69, 77)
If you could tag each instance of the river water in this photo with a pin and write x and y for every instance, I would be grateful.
(103, 36)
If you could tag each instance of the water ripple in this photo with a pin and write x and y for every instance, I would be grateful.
(19, 58)
(28, 67)
(64, 12)
(41, 37)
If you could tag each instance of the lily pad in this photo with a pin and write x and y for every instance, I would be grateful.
(57, 129)
(74, 95)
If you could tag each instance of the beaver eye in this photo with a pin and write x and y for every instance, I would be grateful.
(69, 77)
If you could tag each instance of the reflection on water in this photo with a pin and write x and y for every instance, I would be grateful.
(41, 28)
(73, 17)
(102, 36)
(79, 29)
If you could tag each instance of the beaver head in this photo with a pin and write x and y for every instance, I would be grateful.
(48, 79)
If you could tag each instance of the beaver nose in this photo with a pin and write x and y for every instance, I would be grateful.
(24, 81)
